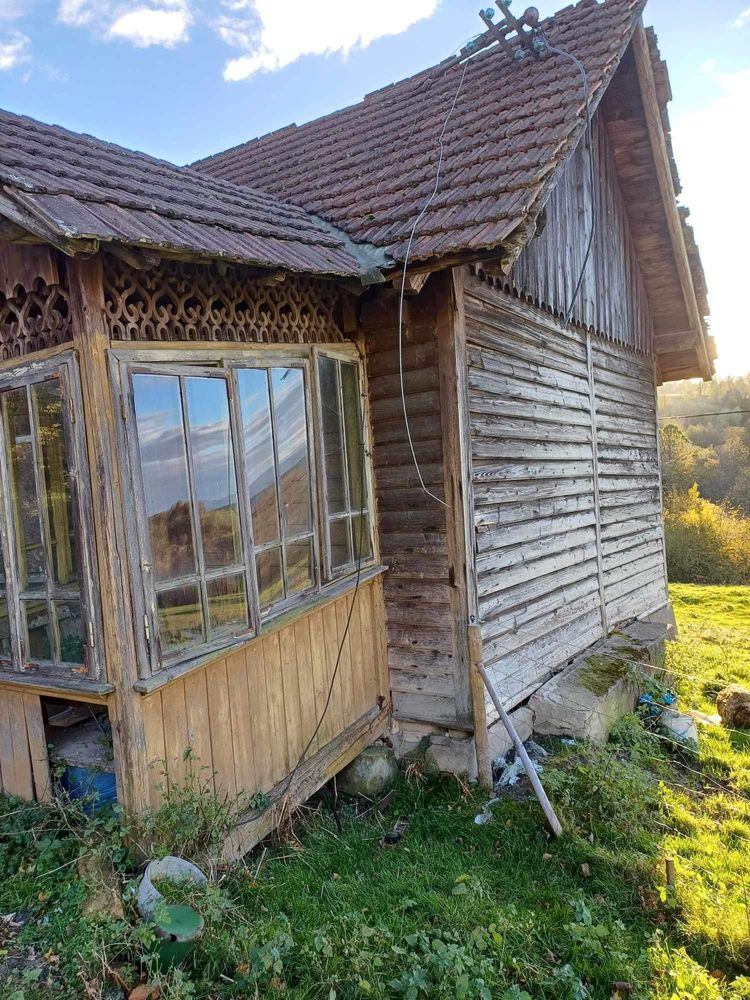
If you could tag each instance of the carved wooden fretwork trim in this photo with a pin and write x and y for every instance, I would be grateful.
(189, 302)
(33, 319)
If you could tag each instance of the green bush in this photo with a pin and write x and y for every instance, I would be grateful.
(707, 543)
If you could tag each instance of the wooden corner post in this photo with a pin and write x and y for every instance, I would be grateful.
(91, 341)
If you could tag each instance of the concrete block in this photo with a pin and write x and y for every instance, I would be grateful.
(452, 755)
(499, 740)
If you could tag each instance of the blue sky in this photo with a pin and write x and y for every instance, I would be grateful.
(184, 78)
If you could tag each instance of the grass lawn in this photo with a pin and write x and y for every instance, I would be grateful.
(455, 909)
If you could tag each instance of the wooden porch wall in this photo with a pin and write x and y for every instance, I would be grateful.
(428, 678)
(547, 418)
(24, 765)
(612, 301)
(248, 716)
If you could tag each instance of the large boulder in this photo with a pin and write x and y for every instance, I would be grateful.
(733, 704)
(370, 775)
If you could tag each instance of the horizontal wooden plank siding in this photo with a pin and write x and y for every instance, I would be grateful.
(632, 526)
(547, 418)
(412, 525)
(248, 716)
(612, 300)
(533, 475)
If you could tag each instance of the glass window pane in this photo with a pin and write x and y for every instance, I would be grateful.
(37, 629)
(299, 566)
(255, 407)
(48, 407)
(270, 584)
(340, 551)
(70, 631)
(214, 477)
(361, 537)
(353, 429)
(227, 604)
(5, 647)
(332, 440)
(290, 418)
(31, 556)
(161, 446)
(180, 617)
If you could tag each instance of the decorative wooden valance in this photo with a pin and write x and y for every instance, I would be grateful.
(34, 317)
(194, 302)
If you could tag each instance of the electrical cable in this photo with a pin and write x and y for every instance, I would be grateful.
(691, 416)
(409, 245)
(592, 170)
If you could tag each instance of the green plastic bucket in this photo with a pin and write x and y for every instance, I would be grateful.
(177, 930)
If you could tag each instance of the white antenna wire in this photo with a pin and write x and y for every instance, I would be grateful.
(403, 287)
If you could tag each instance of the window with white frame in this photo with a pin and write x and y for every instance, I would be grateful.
(48, 617)
(252, 485)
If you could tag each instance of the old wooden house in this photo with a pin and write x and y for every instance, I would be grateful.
(220, 519)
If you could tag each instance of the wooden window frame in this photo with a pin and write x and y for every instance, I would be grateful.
(349, 355)
(64, 368)
(223, 360)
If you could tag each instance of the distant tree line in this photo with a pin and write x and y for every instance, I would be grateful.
(705, 455)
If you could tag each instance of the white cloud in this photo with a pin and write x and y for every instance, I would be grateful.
(153, 22)
(15, 49)
(145, 27)
(10, 10)
(713, 150)
(272, 38)
(743, 19)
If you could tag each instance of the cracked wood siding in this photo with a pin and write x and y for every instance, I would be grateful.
(426, 678)
(533, 466)
(612, 301)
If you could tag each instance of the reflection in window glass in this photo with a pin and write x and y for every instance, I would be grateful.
(32, 559)
(214, 479)
(349, 539)
(5, 645)
(333, 444)
(227, 603)
(180, 617)
(163, 456)
(273, 407)
(270, 581)
(260, 464)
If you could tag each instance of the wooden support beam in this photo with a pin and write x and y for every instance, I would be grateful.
(658, 141)
(91, 341)
(481, 738)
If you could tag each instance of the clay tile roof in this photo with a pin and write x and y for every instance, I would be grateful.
(68, 187)
(370, 168)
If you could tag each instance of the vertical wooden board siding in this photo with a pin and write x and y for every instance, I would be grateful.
(279, 749)
(37, 747)
(330, 634)
(260, 717)
(363, 699)
(16, 763)
(533, 479)
(220, 715)
(308, 713)
(320, 676)
(176, 739)
(156, 753)
(199, 727)
(345, 666)
(295, 739)
(413, 527)
(241, 716)
(613, 299)
(632, 534)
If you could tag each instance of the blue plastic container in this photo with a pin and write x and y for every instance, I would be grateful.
(86, 782)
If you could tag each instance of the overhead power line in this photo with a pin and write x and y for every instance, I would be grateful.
(690, 416)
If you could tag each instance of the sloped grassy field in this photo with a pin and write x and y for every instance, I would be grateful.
(455, 910)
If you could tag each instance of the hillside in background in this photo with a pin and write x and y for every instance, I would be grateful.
(705, 456)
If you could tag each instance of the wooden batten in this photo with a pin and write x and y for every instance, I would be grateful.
(91, 341)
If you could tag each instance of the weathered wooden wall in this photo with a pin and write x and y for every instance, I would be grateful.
(563, 427)
(24, 766)
(248, 715)
(427, 680)
(612, 300)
